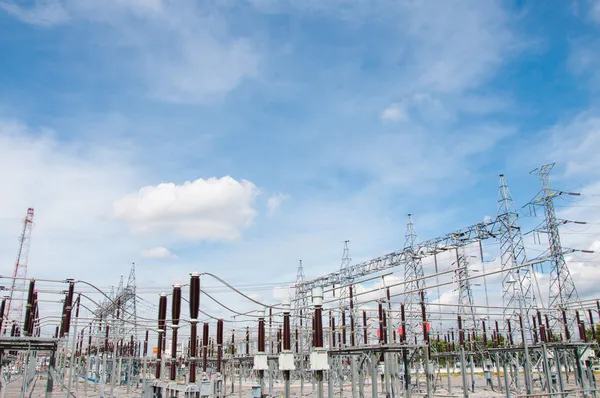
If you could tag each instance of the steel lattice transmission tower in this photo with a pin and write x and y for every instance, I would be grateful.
(19, 283)
(465, 293)
(562, 291)
(130, 307)
(512, 253)
(414, 287)
(300, 311)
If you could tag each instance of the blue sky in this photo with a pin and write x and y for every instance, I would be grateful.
(343, 115)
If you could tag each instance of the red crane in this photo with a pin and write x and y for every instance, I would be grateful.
(19, 282)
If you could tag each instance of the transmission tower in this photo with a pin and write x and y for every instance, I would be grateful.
(465, 293)
(414, 288)
(562, 291)
(130, 305)
(19, 283)
(513, 254)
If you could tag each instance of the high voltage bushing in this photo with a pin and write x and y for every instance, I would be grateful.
(219, 344)
(175, 314)
(2, 309)
(67, 308)
(318, 356)
(28, 327)
(260, 358)
(286, 357)
(204, 348)
(162, 321)
(194, 308)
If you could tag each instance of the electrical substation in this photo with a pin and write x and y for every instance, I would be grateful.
(378, 328)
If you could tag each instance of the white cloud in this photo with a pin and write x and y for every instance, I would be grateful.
(43, 13)
(274, 202)
(211, 209)
(394, 113)
(158, 252)
(181, 51)
(71, 187)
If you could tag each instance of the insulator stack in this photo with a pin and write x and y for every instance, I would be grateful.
(28, 327)
(352, 331)
(510, 335)
(380, 318)
(543, 337)
(175, 314)
(194, 309)
(365, 334)
(2, 312)
(402, 324)
(270, 330)
(287, 336)
(461, 332)
(535, 329)
(247, 341)
(343, 327)
(261, 332)
(204, 346)
(485, 339)
(146, 344)
(219, 344)
(332, 329)
(162, 325)
(319, 323)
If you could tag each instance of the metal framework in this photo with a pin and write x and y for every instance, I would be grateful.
(415, 287)
(19, 282)
(562, 291)
(512, 254)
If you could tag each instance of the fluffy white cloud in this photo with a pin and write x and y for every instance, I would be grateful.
(211, 209)
(158, 252)
(394, 113)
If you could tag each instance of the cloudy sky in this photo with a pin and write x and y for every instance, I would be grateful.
(238, 137)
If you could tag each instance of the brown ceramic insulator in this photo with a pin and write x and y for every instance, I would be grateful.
(380, 319)
(461, 332)
(29, 308)
(343, 327)
(318, 327)
(365, 335)
(247, 341)
(287, 335)
(352, 331)
(2, 309)
(219, 344)
(332, 329)
(261, 335)
(402, 324)
(69, 307)
(510, 335)
(204, 346)
(146, 344)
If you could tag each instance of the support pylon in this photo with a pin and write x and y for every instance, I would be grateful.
(513, 254)
(562, 291)
(414, 288)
